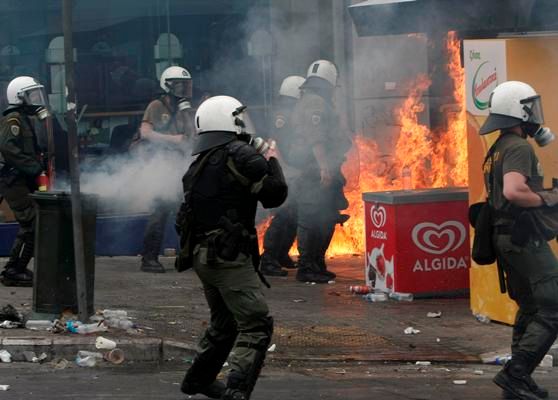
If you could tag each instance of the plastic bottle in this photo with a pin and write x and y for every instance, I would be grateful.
(482, 318)
(84, 354)
(115, 314)
(501, 360)
(375, 297)
(83, 329)
(120, 323)
(401, 296)
(86, 361)
(91, 328)
(406, 178)
(39, 325)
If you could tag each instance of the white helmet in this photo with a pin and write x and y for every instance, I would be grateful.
(325, 70)
(177, 81)
(219, 120)
(290, 87)
(512, 103)
(25, 90)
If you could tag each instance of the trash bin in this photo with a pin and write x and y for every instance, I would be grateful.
(54, 289)
(417, 241)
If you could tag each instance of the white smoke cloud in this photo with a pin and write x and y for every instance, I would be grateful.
(134, 182)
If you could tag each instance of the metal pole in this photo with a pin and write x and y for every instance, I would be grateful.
(73, 150)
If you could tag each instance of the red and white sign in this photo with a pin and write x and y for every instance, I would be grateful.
(418, 247)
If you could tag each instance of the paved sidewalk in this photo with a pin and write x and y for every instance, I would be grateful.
(313, 322)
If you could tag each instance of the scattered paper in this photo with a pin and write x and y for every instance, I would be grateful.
(434, 314)
(423, 363)
(411, 331)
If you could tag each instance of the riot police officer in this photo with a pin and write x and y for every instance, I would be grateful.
(167, 124)
(318, 149)
(531, 270)
(20, 165)
(281, 233)
(221, 190)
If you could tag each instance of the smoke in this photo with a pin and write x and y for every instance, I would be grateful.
(136, 182)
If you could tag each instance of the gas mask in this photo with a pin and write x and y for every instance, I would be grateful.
(542, 135)
(183, 104)
(532, 106)
(42, 113)
(36, 100)
(182, 90)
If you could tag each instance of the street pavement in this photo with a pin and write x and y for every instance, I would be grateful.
(295, 382)
(330, 344)
(313, 322)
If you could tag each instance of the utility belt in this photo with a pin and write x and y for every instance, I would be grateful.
(226, 242)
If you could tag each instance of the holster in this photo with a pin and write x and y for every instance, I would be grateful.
(234, 239)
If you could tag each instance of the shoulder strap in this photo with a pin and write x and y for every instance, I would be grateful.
(255, 187)
(202, 164)
(489, 154)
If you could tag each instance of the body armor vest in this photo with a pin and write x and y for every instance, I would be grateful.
(218, 192)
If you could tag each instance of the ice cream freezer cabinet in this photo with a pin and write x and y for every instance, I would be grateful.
(417, 241)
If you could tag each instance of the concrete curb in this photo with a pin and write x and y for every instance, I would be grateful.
(135, 349)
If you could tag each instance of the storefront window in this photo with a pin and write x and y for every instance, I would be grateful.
(121, 48)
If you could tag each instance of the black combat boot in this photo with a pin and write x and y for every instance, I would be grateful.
(310, 272)
(201, 376)
(15, 272)
(214, 390)
(308, 246)
(149, 264)
(325, 240)
(271, 267)
(14, 277)
(286, 261)
(514, 379)
(536, 389)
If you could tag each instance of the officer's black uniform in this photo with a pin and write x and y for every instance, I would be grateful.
(315, 123)
(281, 233)
(222, 188)
(19, 167)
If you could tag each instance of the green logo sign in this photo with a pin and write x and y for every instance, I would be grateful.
(485, 83)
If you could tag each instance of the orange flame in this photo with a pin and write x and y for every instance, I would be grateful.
(435, 158)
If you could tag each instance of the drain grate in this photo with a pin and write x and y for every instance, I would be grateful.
(328, 343)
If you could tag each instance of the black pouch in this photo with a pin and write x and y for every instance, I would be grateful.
(480, 217)
(232, 241)
(183, 226)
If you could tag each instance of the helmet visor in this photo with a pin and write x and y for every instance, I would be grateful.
(180, 87)
(245, 122)
(533, 107)
(35, 96)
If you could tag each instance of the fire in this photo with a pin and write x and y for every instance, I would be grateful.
(435, 158)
